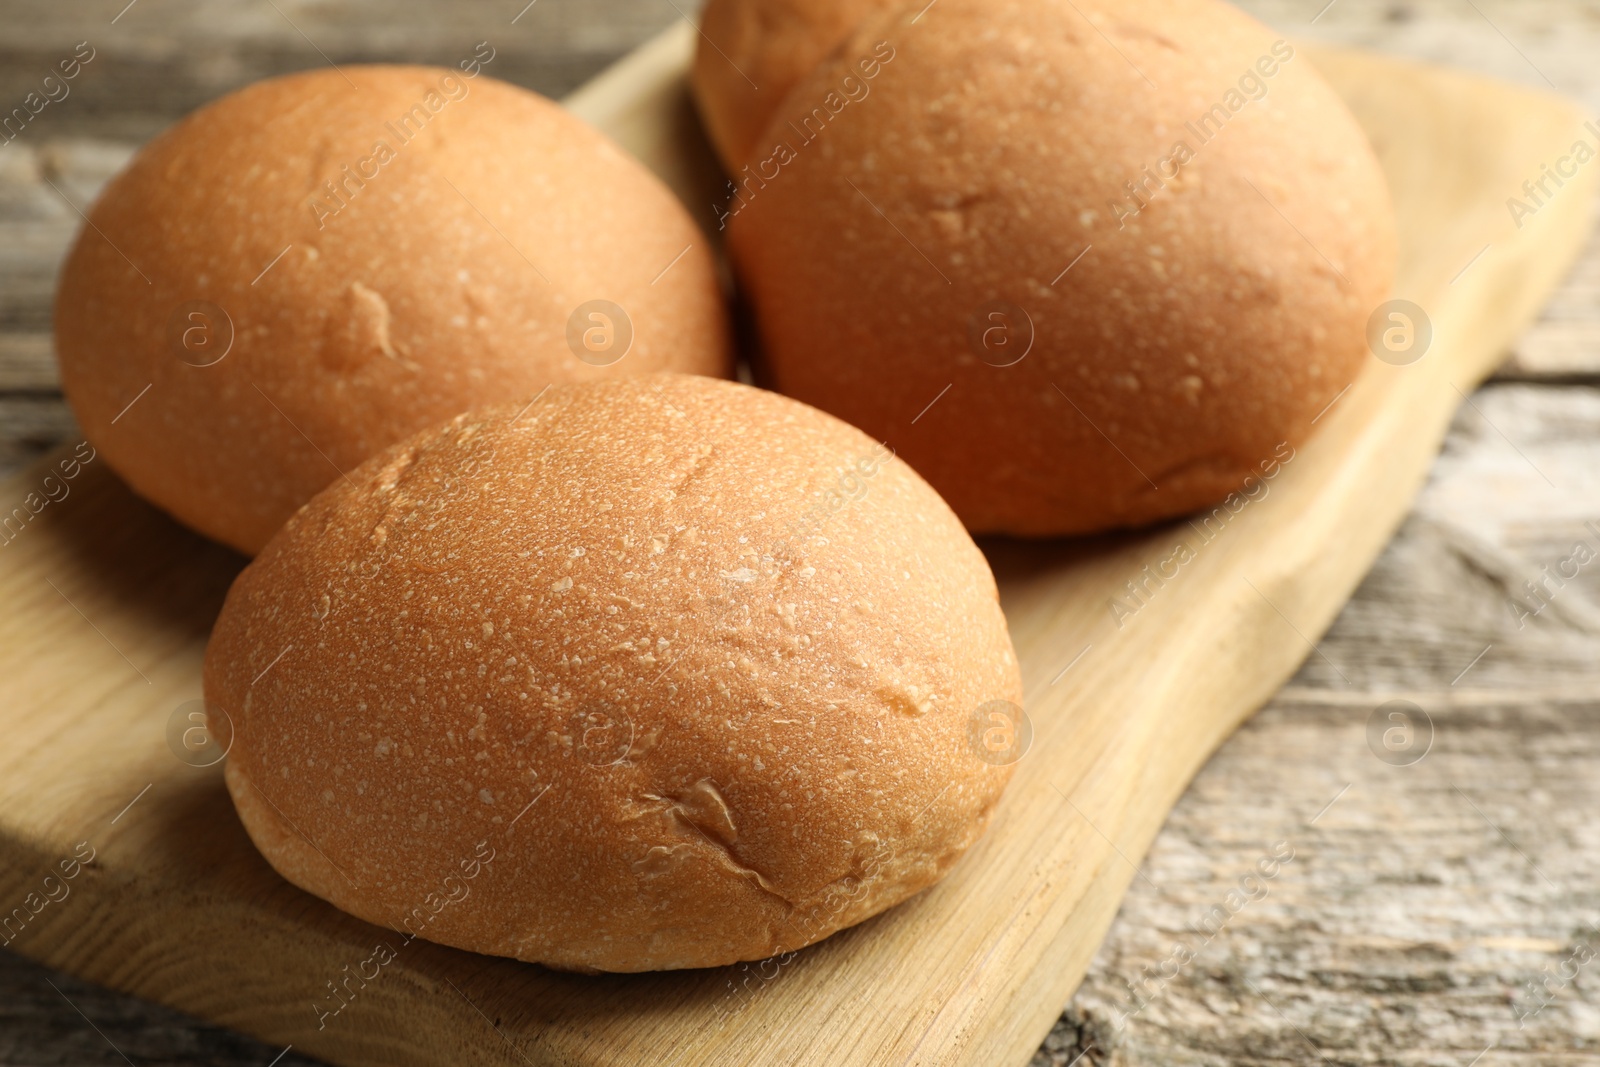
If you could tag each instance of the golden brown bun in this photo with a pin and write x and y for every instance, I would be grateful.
(1198, 334)
(398, 310)
(787, 628)
(752, 52)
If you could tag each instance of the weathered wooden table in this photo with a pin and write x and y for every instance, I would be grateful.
(1443, 911)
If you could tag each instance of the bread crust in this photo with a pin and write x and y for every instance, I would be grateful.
(368, 291)
(1183, 320)
(752, 53)
(783, 631)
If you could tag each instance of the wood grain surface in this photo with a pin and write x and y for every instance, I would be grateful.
(1450, 961)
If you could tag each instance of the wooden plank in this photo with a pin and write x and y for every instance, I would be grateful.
(974, 970)
(1548, 44)
(1428, 927)
(28, 365)
(40, 1023)
(35, 425)
(1406, 929)
(162, 59)
(1565, 343)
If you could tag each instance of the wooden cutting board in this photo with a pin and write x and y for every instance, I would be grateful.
(108, 604)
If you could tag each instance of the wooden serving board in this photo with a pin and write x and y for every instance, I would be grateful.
(108, 605)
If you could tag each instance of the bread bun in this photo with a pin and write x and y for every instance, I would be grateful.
(360, 265)
(752, 52)
(923, 266)
(726, 646)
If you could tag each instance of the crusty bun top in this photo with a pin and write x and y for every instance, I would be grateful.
(727, 647)
(1083, 264)
(361, 264)
(752, 52)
